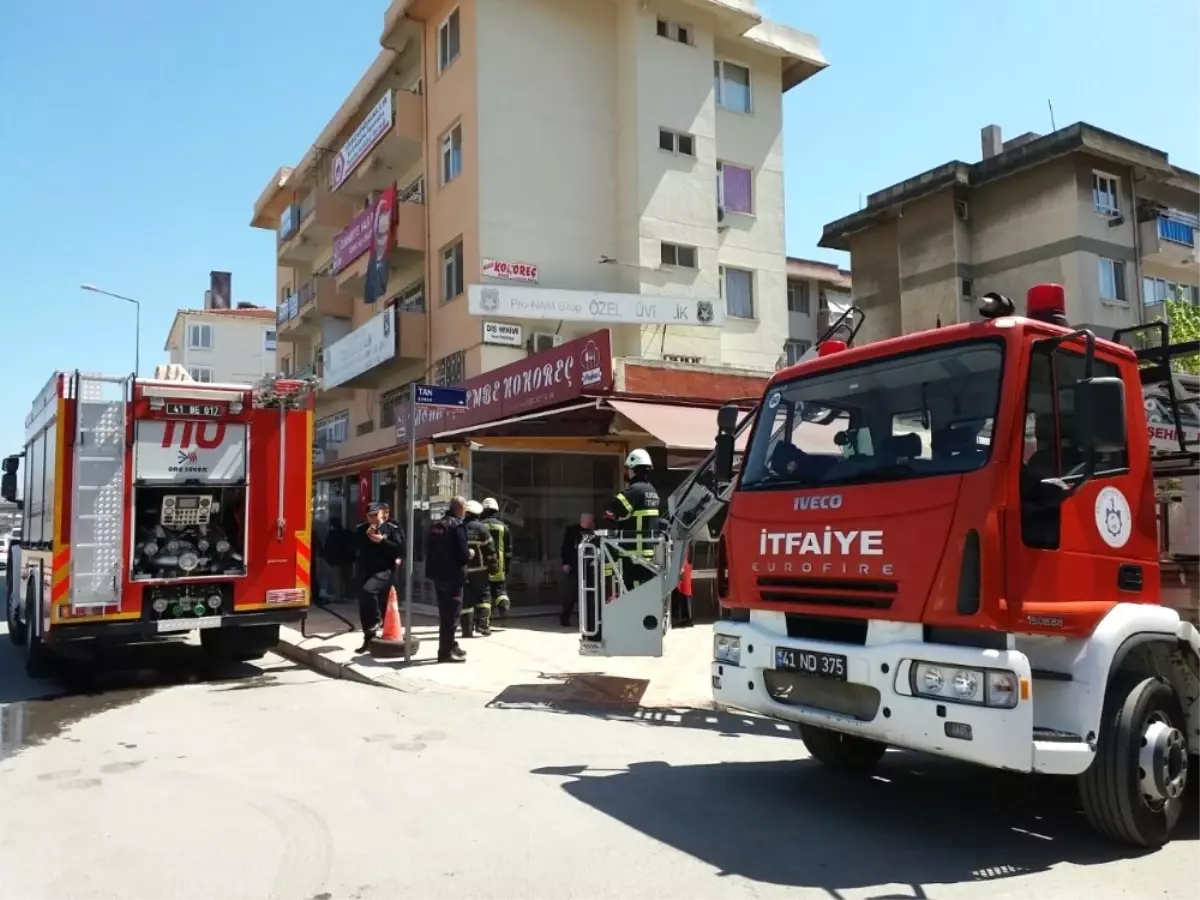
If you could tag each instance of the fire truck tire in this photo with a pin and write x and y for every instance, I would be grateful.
(841, 751)
(1135, 788)
(16, 630)
(37, 657)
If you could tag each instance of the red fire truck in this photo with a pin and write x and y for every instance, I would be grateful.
(157, 507)
(948, 542)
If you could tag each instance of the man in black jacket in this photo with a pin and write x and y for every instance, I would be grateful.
(380, 545)
(572, 537)
(446, 558)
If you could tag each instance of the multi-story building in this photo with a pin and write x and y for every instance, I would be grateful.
(817, 293)
(1110, 219)
(224, 345)
(512, 179)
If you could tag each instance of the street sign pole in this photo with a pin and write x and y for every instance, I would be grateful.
(412, 503)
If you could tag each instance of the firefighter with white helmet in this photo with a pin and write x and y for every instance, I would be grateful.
(635, 512)
(476, 614)
(502, 538)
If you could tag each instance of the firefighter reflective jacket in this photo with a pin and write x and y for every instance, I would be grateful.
(636, 510)
(479, 539)
(502, 540)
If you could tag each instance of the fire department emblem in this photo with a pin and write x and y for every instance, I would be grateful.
(1114, 520)
(704, 312)
(489, 299)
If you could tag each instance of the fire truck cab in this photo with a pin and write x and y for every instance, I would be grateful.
(155, 507)
(950, 542)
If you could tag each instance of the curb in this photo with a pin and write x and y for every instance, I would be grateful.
(291, 647)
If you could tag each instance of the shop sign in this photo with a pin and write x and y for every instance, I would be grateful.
(361, 350)
(376, 124)
(289, 222)
(355, 239)
(545, 379)
(502, 333)
(600, 307)
(509, 271)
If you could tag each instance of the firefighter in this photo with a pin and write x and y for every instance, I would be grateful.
(477, 605)
(498, 580)
(446, 559)
(635, 513)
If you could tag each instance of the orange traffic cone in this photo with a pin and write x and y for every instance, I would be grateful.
(392, 626)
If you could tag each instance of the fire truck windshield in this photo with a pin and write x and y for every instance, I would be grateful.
(917, 415)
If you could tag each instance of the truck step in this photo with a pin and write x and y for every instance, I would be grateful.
(1054, 736)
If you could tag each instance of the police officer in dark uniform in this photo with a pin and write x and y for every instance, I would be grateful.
(477, 605)
(380, 547)
(502, 538)
(635, 513)
(446, 558)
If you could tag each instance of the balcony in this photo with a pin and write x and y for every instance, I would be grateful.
(317, 299)
(285, 314)
(410, 226)
(400, 147)
(1169, 240)
(320, 217)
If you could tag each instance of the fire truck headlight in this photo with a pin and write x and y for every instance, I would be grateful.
(727, 649)
(188, 560)
(222, 546)
(981, 687)
(214, 601)
(151, 549)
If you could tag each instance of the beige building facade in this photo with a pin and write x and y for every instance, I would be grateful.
(1110, 219)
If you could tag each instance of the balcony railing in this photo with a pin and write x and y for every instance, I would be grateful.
(1177, 232)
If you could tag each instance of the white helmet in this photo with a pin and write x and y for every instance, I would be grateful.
(638, 458)
(474, 507)
(490, 503)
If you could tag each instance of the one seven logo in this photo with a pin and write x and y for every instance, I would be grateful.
(185, 457)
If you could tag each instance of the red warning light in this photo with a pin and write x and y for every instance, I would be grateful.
(1046, 301)
(825, 348)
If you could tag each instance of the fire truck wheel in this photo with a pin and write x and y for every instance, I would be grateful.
(37, 662)
(841, 751)
(16, 630)
(1135, 788)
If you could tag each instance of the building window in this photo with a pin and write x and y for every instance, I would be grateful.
(332, 429)
(390, 403)
(678, 255)
(732, 85)
(796, 349)
(448, 42)
(452, 154)
(966, 288)
(737, 287)
(1159, 290)
(269, 340)
(414, 193)
(411, 298)
(673, 31)
(452, 271)
(735, 191)
(200, 337)
(797, 297)
(674, 142)
(450, 370)
(1112, 280)
(1105, 196)
(201, 373)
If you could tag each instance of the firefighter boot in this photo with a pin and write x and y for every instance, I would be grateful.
(483, 618)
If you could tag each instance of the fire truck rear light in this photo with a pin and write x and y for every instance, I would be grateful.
(727, 649)
(157, 403)
(235, 406)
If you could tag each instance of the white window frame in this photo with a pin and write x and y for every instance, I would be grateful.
(719, 65)
(721, 189)
(1118, 274)
(669, 248)
(200, 328)
(723, 272)
(676, 140)
(451, 164)
(202, 374)
(452, 274)
(1113, 192)
(797, 291)
(794, 348)
(675, 32)
(445, 58)
(332, 430)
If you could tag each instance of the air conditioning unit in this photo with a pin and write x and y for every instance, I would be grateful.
(543, 340)
(962, 209)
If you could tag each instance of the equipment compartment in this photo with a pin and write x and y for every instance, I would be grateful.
(188, 532)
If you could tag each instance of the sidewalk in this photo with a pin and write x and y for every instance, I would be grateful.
(525, 662)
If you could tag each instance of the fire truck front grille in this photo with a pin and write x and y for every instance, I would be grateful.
(186, 601)
(844, 592)
(845, 698)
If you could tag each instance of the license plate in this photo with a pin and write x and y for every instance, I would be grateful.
(287, 595)
(168, 625)
(811, 662)
(198, 410)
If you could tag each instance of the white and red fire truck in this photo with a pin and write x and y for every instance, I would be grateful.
(977, 541)
(158, 507)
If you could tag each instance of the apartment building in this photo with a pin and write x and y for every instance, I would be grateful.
(1110, 219)
(817, 293)
(224, 345)
(521, 189)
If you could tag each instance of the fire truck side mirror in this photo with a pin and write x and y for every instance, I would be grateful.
(1100, 414)
(727, 417)
(8, 487)
(11, 464)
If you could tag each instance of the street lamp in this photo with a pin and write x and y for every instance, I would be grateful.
(137, 321)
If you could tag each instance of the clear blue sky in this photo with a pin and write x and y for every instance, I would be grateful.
(137, 133)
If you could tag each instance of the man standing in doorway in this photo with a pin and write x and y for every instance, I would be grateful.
(502, 538)
(380, 544)
(572, 538)
(446, 559)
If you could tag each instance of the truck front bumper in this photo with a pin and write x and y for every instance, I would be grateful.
(877, 699)
(144, 630)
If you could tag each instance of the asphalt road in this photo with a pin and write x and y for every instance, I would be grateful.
(162, 779)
